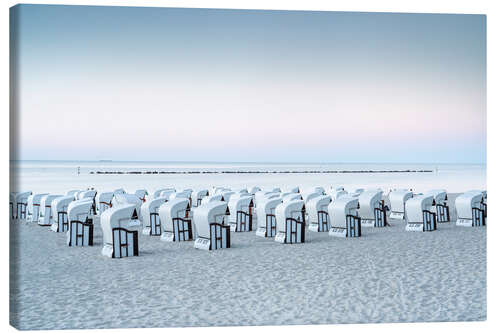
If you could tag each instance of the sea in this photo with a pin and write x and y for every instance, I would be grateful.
(58, 177)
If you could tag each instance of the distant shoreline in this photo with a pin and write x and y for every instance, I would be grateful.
(249, 172)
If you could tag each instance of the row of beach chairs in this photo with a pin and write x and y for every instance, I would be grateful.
(209, 216)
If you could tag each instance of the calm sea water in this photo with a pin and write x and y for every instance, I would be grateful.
(60, 176)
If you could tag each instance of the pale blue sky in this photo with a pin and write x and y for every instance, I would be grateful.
(130, 83)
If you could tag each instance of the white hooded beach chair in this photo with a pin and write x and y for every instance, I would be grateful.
(119, 191)
(470, 212)
(165, 193)
(317, 212)
(338, 193)
(21, 200)
(264, 196)
(45, 217)
(254, 190)
(176, 225)
(81, 229)
(357, 192)
(60, 213)
(398, 199)
(197, 196)
(291, 196)
(128, 199)
(420, 216)
(240, 212)
(72, 193)
(103, 201)
(91, 194)
(266, 217)
(212, 198)
(34, 207)
(141, 194)
(311, 195)
(372, 210)
(344, 219)
(320, 190)
(12, 205)
(226, 195)
(150, 216)
(120, 240)
(290, 222)
(440, 206)
(209, 221)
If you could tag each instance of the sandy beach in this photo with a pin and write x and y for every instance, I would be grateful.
(387, 275)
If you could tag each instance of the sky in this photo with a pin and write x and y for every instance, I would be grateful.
(170, 84)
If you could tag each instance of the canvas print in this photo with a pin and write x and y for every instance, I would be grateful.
(176, 167)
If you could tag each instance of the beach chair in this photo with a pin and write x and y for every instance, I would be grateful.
(81, 228)
(141, 194)
(372, 209)
(289, 196)
(344, 219)
(60, 213)
(311, 195)
(254, 190)
(357, 192)
(103, 201)
(128, 199)
(226, 195)
(337, 193)
(12, 205)
(294, 189)
(119, 237)
(320, 190)
(34, 207)
(266, 217)
(209, 221)
(157, 193)
(197, 196)
(176, 225)
(240, 212)
(440, 206)
(420, 216)
(212, 198)
(91, 194)
(290, 222)
(21, 200)
(264, 196)
(150, 216)
(470, 209)
(119, 191)
(398, 199)
(45, 217)
(317, 213)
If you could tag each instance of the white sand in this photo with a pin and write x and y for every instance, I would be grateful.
(387, 275)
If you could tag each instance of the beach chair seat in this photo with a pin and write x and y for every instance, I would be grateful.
(197, 197)
(317, 213)
(398, 199)
(372, 209)
(266, 217)
(290, 222)
(420, 216)
(212, 233)
(176, 224)
(471, 209)
(119, 237)
(440, 206)
(45, 217)
(150, 216)
(240, 212)
(81, 228)
(344, 219)
(34, 207)
(60, 213)
(21, 200)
